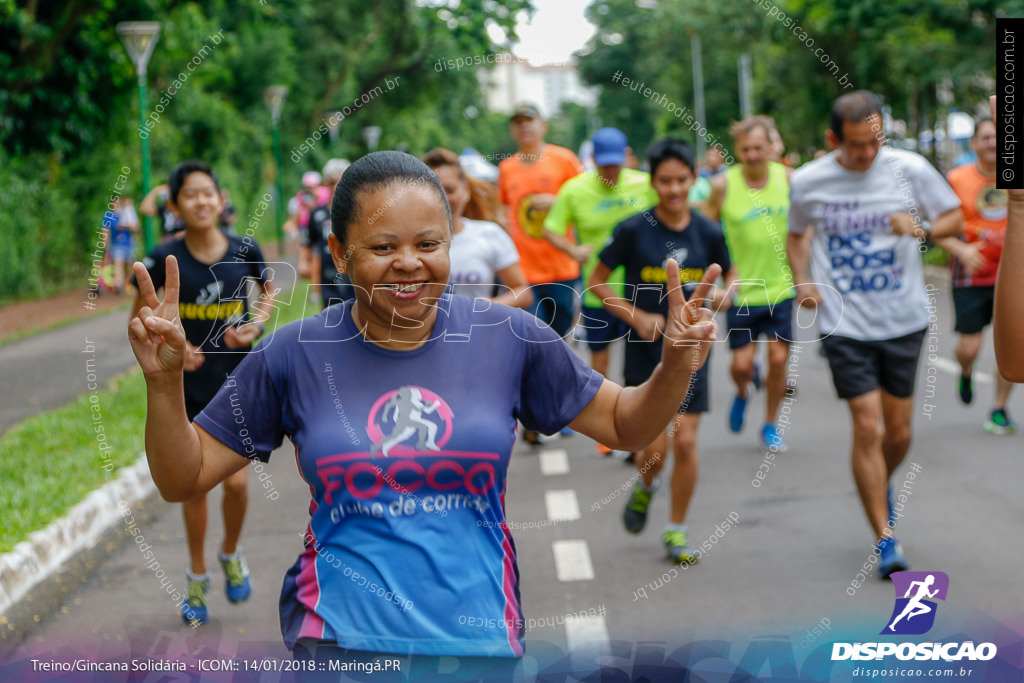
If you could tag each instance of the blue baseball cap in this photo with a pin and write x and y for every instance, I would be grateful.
(609, 147)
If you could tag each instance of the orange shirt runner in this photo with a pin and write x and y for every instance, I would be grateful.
(984, 208)
(540, 260)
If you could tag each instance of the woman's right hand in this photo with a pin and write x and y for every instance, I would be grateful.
(156, 334)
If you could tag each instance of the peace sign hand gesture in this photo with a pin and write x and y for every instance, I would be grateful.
(690, 328)
(156, 334)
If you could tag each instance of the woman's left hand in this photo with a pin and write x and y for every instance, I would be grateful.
(690, 328)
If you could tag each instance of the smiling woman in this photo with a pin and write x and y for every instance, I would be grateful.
(439, 386)
(391, 216)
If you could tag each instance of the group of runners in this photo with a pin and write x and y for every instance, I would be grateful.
(402, 250)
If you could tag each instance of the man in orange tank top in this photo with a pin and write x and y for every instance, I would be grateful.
(975, 262)
(527, 184)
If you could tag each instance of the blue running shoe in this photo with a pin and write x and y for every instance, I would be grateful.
(891, 557)
(236, 571)
(193, 608)
(739, 409)
(892, 512)
(770, 436)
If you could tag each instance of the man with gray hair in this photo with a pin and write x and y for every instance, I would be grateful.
(859, 216)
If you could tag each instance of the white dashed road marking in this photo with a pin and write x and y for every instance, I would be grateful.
(951, 367)
(583, 630)
(572, 561)
(562, 505)
(555, 461)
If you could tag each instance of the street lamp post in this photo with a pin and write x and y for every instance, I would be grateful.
(333, 124)
(371, 136)
(274, 97)
(139, 38)
(698, 88)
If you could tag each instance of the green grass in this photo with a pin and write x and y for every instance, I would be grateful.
(51, 461)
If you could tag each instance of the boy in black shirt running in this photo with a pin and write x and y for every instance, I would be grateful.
(643, 244)
(214, 273)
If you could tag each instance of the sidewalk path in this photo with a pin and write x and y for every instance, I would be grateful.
(46, 371)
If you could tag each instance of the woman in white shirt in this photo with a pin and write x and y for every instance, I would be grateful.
(482, 253)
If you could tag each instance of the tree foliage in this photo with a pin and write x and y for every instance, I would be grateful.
(909, 52)
(69, 107)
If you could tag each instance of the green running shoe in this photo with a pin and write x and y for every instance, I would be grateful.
(236, 572)
(999, 423)
(677, 548)
(966, 388)
(193, 608)
(635, 514)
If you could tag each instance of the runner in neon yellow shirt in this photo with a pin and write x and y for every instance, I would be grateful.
(752, 202)
(594, 203)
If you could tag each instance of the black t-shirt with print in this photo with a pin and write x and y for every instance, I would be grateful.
(212, 297)
(642, 244)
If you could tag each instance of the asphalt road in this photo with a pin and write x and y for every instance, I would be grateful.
(784, 567)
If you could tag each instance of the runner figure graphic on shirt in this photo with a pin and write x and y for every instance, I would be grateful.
(409, 408)
(915, 606)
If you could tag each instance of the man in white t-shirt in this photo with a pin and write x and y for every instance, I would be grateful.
(860, 216)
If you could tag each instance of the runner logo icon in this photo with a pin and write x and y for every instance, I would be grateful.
(914, 612)
(409, 414)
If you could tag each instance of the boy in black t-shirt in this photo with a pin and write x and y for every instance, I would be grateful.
(642, 244)
(213, 307)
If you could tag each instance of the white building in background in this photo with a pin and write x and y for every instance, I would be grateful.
(513, 80)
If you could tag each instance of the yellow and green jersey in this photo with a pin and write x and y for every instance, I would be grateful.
(756, 223)
(594, 209)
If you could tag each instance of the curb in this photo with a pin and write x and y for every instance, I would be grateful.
(34, 561)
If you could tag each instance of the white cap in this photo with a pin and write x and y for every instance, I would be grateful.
(334, 168)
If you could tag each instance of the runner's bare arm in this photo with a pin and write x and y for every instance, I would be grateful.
(184, 460)
(798, 250)
(580, 252)
(1009, 306)
(148, 205)
(648, 325)
(518, 294)
(722, 297)
(714, 208)
(968, 253)
(630, 418)
(949, 224)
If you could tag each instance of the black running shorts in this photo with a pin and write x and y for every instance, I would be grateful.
(862, 366)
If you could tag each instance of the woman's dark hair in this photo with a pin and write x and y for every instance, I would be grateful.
(483, 202)
(376, 171)
(670, 148)
(184, 170)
